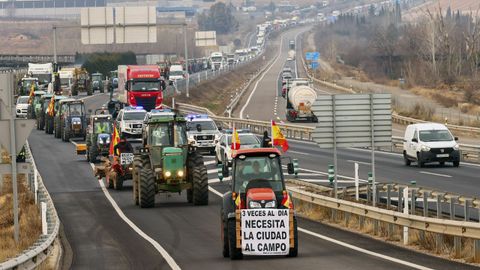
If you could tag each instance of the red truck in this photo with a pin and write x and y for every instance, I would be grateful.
(140, 86)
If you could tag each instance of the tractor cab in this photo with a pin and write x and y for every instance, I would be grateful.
(97, 82)
(35, 104)
(98, 136)
(71, 119)
(26, 85)
(257, 186)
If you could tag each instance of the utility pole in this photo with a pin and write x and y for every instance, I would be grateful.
(186, 59)
(54, 44)
(13, 160)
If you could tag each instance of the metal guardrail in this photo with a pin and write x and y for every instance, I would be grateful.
(39, 251)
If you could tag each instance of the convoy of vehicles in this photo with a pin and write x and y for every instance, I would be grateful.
(167, 162)
(202, 132)
(140, 86)
(430, 142)
(257, 190)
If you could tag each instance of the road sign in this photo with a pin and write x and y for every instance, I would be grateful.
(350, 118)
(312, 56)
(353, 121)
(205, 38)
(314, 65)
(23, 127)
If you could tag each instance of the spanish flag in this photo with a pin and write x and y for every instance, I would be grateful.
(32, 93)
(278, 138)
(235, 140)
(286, 202)
(238, 202)
(115, 140)
(51, 107)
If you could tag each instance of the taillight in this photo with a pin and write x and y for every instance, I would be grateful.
(131, 100)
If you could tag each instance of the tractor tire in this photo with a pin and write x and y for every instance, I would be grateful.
(200, 186)
(147, 189)
(234, 252)
(74, 91)
(92, 153)
(57, 128)
(224, 231)
(66, 135)
(137, 166)
(293, 252)
(47, 125)
(118, 183)
(195, 159)
(41, 123)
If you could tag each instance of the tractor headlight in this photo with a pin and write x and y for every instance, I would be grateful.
(180, 173)
(107, 141)
(253, 204)
(425, 148)
(271, 204)
(168, 174)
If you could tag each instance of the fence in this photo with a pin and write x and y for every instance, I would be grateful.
(39, 251)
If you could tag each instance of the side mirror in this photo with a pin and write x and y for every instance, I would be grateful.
(456, 138)
(290, 168)
(225, 171)
(415, 140)
(220, 128)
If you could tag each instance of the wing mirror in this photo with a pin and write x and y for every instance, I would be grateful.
(292, 167)
(415, 140)
(222, 171)
(456, 138)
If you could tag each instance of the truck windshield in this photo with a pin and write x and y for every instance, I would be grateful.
(134, 115)
(205, 125)
(176, 73)
(76, 109)
(265, 168)
(144, 86)
(435, 136)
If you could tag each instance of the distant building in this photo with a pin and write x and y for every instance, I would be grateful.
(46, 8)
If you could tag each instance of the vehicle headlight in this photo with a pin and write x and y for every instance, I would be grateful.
(271, 204)
(456, 147)
(107, 140)
(168, 174)
(180, 173)
(425, 148)
(217, 136)
(253, 204)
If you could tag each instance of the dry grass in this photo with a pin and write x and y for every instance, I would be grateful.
(29, 219)
(418, 241)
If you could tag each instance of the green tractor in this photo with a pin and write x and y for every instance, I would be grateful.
(25, 85)
(50, 113)
(98, 136)
(167, 162)
(97, 82)
(35, 105)
(44, 101)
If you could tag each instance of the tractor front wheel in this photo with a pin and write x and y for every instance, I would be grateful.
(200, 186)
(118, 183)
(235, 253)
(147, 188)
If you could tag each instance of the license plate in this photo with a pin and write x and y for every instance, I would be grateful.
(126, 158)
(442, 155)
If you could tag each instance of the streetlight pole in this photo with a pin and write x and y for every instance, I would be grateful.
(54, 44)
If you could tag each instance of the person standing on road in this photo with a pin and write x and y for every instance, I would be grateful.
(123, 146)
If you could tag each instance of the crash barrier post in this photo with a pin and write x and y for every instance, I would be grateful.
(331, 174)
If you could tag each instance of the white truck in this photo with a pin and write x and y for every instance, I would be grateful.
(300, 99)
(217, 61)
(231, 59)
(66, 78)
(291, 55)
(44, 73)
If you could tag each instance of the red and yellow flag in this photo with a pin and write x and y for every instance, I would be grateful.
(115, 140)
(51, 107)
(235, 140)
(278, 138)
(32, 93)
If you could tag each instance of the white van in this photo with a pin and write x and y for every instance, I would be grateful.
(430, 142)
(176, 73)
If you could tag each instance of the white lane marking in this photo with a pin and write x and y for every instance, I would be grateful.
(436, 174)
(261, 78)
(365, 251)
(171, 262)
(299, 153)
(210, 162)
(359, 162)
(359, 249)
(212, 171)
(327, 181)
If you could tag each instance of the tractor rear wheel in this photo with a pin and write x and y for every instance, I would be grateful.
(147, 188)
(294, 251)
(57, 128)
(235, 253)
(200, 186)
(66, 135)
(92, 153)
(118, 183)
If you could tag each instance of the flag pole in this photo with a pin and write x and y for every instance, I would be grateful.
(271, 132)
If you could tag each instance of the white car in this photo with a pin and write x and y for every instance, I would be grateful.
(21, 108)
(223, 149)
(430, 142)
(202, 132)
(176, 73)
(130, 121)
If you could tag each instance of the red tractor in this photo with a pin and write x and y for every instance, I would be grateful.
(257, 214)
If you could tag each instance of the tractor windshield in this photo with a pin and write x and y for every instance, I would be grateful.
(162, 134)
(102, 127)
(97, 78)
(261, 167)
(76, 109)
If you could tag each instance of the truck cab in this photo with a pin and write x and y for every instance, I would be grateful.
(217, 61)
(257, 182)
(140, 86)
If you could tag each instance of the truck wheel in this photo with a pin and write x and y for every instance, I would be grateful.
(38, 123)
(118, 183)
(147, 189)
(405, 159)
(294, 251)
(92, 153)
(235, 253)
(200, 186)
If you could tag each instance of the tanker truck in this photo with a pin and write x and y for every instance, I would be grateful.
(300, 99)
